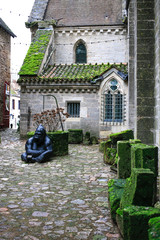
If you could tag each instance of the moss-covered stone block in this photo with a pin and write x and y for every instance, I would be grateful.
(86, 139)
(124, 157)
(60, 142)
(115, 191)
(102, 146)
(124, 135)
(75, 136)
(94, 140)
(110, 155)
(145, 156)
(154, 228)
(139, 188)
(59, 139)
(135, 222)
(119, 220)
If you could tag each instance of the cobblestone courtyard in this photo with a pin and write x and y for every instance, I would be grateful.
(63, 199)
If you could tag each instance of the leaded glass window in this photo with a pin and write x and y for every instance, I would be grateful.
(112, 102)
(113, 107)
(81, 54)
(108, 106)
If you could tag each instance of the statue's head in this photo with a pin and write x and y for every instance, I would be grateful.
(40, 134)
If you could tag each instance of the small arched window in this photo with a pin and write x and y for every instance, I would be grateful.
(81, 53)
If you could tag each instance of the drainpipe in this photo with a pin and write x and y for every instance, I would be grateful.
(94, 81)
(127, 5)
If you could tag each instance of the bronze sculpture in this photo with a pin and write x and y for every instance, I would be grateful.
(38, 148)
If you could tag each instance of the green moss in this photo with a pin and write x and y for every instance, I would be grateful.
(101, 146)
(119, 220)
(75, 136)
(154, 228)
(124, 157)
(94, 140)
(110, 155)
(35, 54)
(135, 221)
(145, 156)
(124, 135)
(87, 139)
(115, 191)
(139, 188)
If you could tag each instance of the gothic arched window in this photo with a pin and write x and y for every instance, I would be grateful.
(113, 103)
(81, 53)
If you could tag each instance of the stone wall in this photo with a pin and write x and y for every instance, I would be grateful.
(89, 109)
(131, 67)
(103, 44)
(142, 76)
(4, 67)
(157, 75)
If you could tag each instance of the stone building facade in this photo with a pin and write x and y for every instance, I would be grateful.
(144, 69)
(5, 49)
(82, 63)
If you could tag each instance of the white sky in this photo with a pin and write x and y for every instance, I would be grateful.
(15, 13)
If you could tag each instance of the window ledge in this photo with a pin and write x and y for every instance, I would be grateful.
(73, 119)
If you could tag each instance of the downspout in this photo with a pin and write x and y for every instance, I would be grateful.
(127, 5)
(94, 81)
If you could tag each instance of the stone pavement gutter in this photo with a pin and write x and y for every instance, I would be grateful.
(63, 199)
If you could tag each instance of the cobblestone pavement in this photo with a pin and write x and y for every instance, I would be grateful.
(63, 199)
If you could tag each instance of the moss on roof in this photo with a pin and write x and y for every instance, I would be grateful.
(35, 54)
(80, 71)
(74, 72)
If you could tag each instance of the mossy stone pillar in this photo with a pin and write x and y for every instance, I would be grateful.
(135, 222)
(139, 188)
(124, 157)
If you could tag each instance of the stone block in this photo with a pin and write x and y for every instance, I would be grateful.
(139, 188)
(115, 191)
(110, 155)
(60, 142)
(135, 221)
(124, 135)
(102, 146)
(94, 140)
(124, 158)
(145, 156)
(154, 228)
(75, 135)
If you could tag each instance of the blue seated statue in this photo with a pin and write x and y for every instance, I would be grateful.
(38, 148)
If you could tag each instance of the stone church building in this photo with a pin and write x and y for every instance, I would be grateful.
(79, 56)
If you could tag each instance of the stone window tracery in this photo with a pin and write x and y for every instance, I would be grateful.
(112, 102)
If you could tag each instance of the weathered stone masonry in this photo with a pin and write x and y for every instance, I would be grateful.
(142, 76)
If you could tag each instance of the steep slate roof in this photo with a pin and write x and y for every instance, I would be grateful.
(36, 52)
(38, 10)
(73, 73)
(78, 13)
(6, 28)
